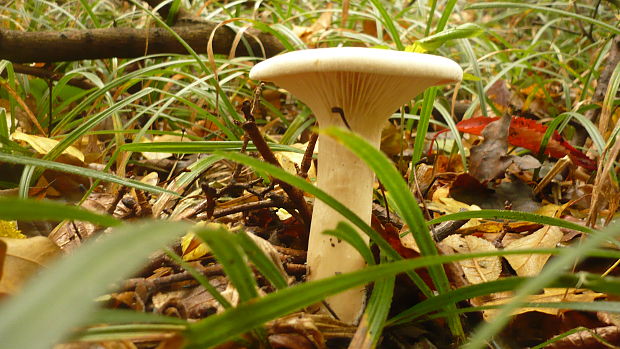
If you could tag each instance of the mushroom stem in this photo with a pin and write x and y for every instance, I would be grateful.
(347, 178)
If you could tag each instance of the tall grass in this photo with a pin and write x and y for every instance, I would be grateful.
(167, 94)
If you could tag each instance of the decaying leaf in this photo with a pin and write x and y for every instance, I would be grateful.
(488, 160)
(23, 258)
(549, 295)
(532, 264)
(71, 234)
(477, 270)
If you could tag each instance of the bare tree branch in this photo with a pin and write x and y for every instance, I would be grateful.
(72, 45)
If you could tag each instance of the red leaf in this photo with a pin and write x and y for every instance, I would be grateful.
(528, 134)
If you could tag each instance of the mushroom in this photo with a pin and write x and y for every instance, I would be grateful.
(357, 88)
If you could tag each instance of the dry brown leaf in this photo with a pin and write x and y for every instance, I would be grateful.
(488, 160)
(70, 234)
(589, 338)
(311, 34)
(477, 270)
(549, 295)
(23, 258)
(532, 264)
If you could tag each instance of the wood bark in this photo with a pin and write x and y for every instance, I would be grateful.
(72, 45)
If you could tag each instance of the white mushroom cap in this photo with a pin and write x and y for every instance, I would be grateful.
(359, 59)
(367, 84)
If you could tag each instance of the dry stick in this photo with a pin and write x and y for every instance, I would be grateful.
(73, 45)
(272, 202)
(82, 83)
(130, 284)
(602, 181)
(291, 254)
(294, 194)
(213, 270)
(117, 198)
(601, 87)
(306, 162)
(23, 105)
(445, 229)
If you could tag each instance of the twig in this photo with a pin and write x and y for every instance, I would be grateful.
(212, 270)
(445, 229)
(294, 194)
(253, 206)
(117, 198)
(291, 254)
(51, 75)
(306, 162)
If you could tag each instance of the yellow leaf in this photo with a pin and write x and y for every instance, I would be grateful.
(193, 248)
(549, 295)
(532, 264)
(43, 145)
(477, 270)
(8, 229)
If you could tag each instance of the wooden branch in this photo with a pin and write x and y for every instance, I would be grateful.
(72, 45)
(49, 74)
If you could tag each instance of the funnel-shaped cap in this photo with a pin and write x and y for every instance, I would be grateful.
(367, 84)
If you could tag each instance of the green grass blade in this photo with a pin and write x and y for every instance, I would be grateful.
(199, 147)
(4, 127)
(406, 205)
(265, 265)
(514, 215)
(455, 133)
(247, 316)
(388, 21)
(373, 320)
(51, 165)
(68, 140)
(27, 210)
(91, 14)
(50, 306)
(551, 272)
(463, 31)
(331, 202)
(422, 129)
(227, 251)
(565, 14)
(584, 280)
(172, 13)
(346, 232)
(445, 15)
